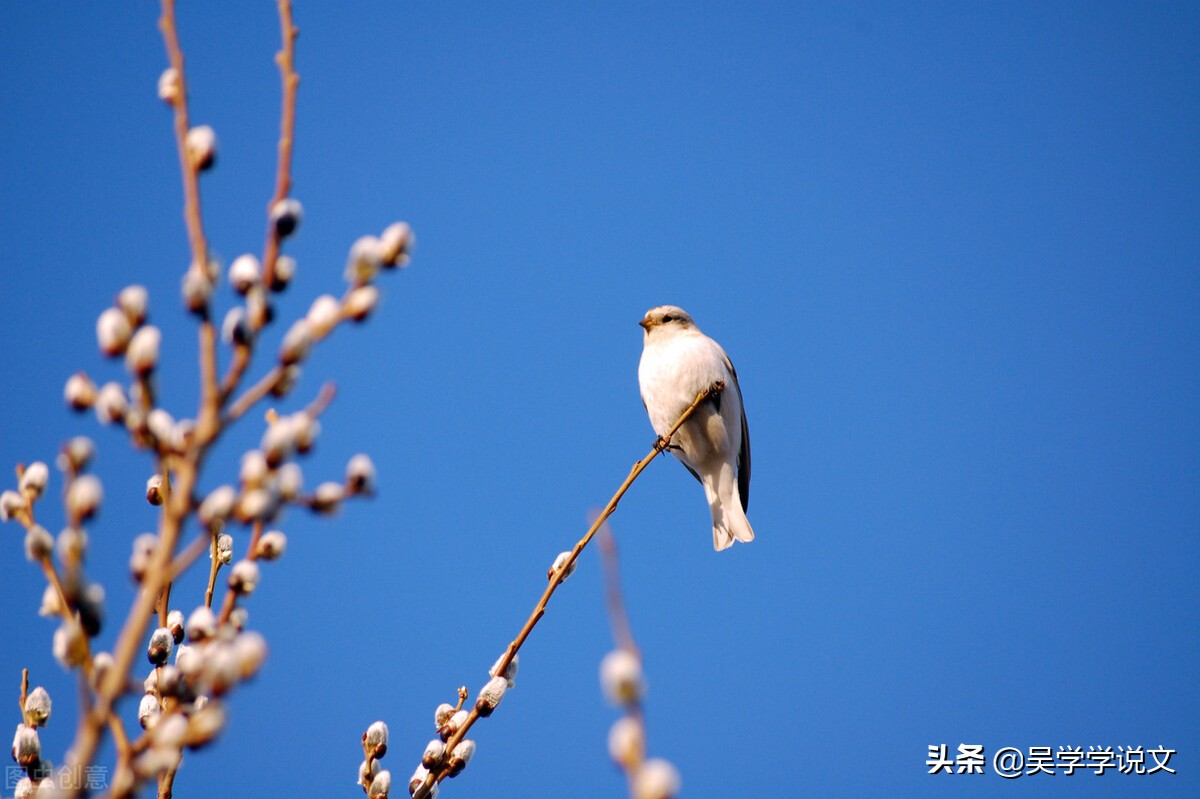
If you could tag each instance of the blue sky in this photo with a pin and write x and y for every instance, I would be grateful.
(951, 248)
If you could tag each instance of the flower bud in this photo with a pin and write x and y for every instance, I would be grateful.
(244, 273)
(217, 506)
(306, 429)
(175, 624)
(360, 302)
(364, 261)
(170, 731)
(38, 543)
(72, 544)
(111, 404)
(70, 644)
(222, 668)
(201, 144)
(204, 725)
(457, 719)
(285, 270)
(289, 481)
(327, 497)
(323, 315)
(11, 503)
(24, 789)
(490, 696)
(224, 549)
(285, 216)
(238, 617)
(201, 625)
(254, 469)
(244, 577)
(296, 342)
(559, 562)
(160, 425)
(235, 329)
(80, 391)
(435, 753)
(133, 302)
(37, 707)
(26, 748)
(418, 779)
(249, 652)
(627, 742)
(271, 545)
(197, 289)
(84, 496)
(360, 475)
(154, 490)
(51, 604)
(143, 550)
(395, 244)
(160, 647)
(460, 755)
(656, 779)
(170, 87)
(621, 677)
(113, 332)
(141, 357)
(34, 479)
(510, 673)
(380, 786)
(287, 381)
(367, 773)
(442, 715)
(375, 739)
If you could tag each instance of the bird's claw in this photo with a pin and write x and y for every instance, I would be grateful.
(661, 444)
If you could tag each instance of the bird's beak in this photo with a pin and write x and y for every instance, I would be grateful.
(645, 323)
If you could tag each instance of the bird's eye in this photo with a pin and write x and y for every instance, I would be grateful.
(668, 318)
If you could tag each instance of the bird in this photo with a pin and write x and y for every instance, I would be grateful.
(678, 362)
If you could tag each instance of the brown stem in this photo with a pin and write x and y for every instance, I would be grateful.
(24, 690)
(290, 81)
(558, 576)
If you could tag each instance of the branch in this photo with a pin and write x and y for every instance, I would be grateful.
(557, 577)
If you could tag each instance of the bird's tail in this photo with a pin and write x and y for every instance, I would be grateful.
(728, 515)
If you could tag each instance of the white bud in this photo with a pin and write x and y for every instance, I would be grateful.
(621, 677)
(51, 606)
(160, 424)
(113, 332)
(306, 429)
(290, 481)
(72, 544)
(323, 315)
(24, 789)
(249, 651)
(396, 242)
(161, 643)
(626, 742)
(434, 754)
(76, 454)
(559, 562)
(133, 302)
(34, 479)
(80, 391)
(254, 468)
(11, 503)
(457, 720)
(175, 624)
(217, 506)
(272, 545)
(418, 779)
(296, 342)
(244, 273)
(375, 739)
(205, 723)
(381, 785)
(286, 216)
(287, 381)
(201, 143)
(225, 549)
(169, 85)
(170, 731)
(37, 707)
(111, 404)
(84, 496)
(26, 748)
(235, 330)
(360, 302)
(257, 504)
(201, 625)
(460, 755)
(364, 261)
(141, 357)
(327, 497)
(244, 577)
(367, 773)
(490, 696)
(238, 617)
(154, 489)
(39, 544)
(285, 270)
(510, 673)
(656, 779)
(197, 289)
(443, 714)
(360, 475)
(70, 644)
(143, 551)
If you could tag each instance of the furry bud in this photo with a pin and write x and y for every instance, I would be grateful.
(113, 332)
(395, 244)
(375, 739)
(621, 677)
(244, 273)
(286, 216)
(34, 479)
(141, 357)
(133, 302)
(201, 144)
(80, 391)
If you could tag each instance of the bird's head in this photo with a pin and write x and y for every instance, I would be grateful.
(666, 317)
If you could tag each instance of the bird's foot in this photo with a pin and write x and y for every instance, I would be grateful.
(661, 444)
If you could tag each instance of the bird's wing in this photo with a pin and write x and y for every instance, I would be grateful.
(744, 453)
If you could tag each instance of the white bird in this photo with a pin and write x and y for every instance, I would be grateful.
(678, 362)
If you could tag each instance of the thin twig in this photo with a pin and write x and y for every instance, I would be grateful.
(559, 575)
(24, 690)
(290, 82)
(622, 632)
